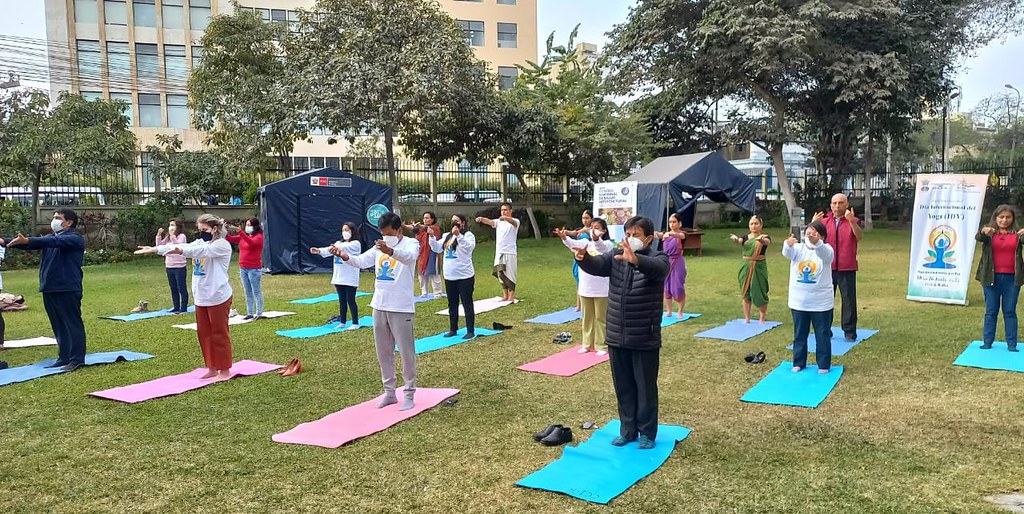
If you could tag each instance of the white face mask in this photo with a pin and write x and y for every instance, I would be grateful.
(249, 230)
(171, 229)
(346, 235)
(391, 241)
(56, 225)
(636, 243)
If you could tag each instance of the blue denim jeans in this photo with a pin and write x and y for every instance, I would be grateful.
(253, 291)
(822, 322)
(1002, 292)
(179, 289)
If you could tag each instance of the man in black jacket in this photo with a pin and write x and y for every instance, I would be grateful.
(636, 274)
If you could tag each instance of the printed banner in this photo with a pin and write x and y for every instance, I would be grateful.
(616, 203)
(947, 213)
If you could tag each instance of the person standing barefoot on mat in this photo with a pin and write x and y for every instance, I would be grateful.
(675, 283)
(345, 278)
(394, 263)
(810, 295)
(1001, 273)
(211, 256)
(844, 234)
(753, 275)
(175, 264)
(636, 274)
(505, 259)
(427, 267)
(457, 255)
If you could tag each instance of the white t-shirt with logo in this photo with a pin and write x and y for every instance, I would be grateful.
(344, 275)
(591, 286)
(506, 237)
(210, 261)
(393, 287)
(810, 276)
(457, 262)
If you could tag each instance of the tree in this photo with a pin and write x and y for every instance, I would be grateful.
(243, 92)
(381, 66)
(194, 175)
(38, 142)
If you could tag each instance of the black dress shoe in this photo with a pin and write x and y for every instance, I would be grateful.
(57, 364)
(450, 333)
(851, 337)
(558, 437)
(500, 326)
(546, 432)
(469, 335)
(3, 364)
(71, 366)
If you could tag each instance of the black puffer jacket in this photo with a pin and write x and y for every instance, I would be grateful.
(634, 296)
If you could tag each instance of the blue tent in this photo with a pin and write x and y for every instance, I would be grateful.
(308, 210)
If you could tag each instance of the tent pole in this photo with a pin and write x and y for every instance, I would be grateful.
(665, 225)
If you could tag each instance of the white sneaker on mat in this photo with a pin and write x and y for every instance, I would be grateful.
(601, 353)
(583, 349)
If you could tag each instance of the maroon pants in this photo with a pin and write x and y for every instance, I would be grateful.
(214, 338)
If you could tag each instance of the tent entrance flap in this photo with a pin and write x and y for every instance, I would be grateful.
(320, 219)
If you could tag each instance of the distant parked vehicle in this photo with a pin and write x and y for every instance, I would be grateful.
(55, 195)
(484, 196)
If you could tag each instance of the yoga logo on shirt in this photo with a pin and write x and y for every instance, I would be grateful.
(808, 272)
(337, 260)
(199, 267)
(449, 251)
(387, 268)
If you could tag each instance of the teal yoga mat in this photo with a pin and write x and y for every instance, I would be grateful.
(784, 387)
(439, 341)
(146, 315)
(329, 297)
(597, 472)
(668, 321)
(323, 330)
(39, 369)
(839, 344)
(998, 357)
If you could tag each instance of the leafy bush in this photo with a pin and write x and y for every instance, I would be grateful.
(15, 218)
(137, 225)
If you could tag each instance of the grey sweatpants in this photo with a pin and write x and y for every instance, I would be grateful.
(389, 329)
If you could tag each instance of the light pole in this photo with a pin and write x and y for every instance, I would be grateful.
(945, 129)
(1013, 131)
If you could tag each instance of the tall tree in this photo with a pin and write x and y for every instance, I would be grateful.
(194, 175)
(38, 142)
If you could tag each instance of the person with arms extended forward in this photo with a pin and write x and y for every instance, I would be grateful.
(505, 258)
(844, 234)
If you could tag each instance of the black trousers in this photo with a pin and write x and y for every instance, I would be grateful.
(635, 378)
(846, 283)
(460, 291)
(3, 327)
(347, 298)
(65, 313)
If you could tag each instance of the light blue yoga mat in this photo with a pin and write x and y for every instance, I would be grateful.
(597, 472)
(329, 297)
(323, 330)
(804, 389)
(997, 357)
(668, 321)
(426, 298)
(146, 315)
(39, 369)
(737, 330)
(557, 318)
(839, 343)
(436, 342)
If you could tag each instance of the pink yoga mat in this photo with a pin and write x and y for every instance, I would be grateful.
(177, 384)
(360, 420)
(565, 364)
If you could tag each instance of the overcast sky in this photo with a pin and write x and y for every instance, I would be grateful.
(982, 75)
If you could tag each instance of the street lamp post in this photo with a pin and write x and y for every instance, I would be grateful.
(945, 129)
(1013, 131)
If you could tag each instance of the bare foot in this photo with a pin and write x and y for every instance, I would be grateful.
(668, 314)
(796, 369)
(746, 320)
(822, 371)
(209, 374)
(680, 315)
(224, 374)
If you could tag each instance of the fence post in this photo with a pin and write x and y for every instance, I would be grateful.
(433, 184)
(565, 189)
(504, 183)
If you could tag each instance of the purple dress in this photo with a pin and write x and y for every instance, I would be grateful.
(675, 283)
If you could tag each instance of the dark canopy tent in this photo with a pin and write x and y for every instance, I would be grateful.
(665, 180)
(308, 210)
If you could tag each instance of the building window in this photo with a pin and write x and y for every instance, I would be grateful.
(92, 95)
(177, 111)
(119, 62)
(197, 56)
(174, 65)
(198, 14)
(507, 35)
(474, 31)
(264, 14)
(333, 162)
(300, 163)
(173, 14)
(128, 111)
(147, 62)
(475, 1)
(115, 12)
(293, 21)
(149, 111)
(87, 11)
(279, 15)
(507, 76)
(316, 163)
(144, 13)
(506, 2)
(147, 170)
(88, 59)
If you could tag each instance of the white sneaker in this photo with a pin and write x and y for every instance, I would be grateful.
(232, 313)
(582, 349)
(353, 327)
(601, 353)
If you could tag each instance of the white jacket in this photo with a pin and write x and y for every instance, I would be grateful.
(457, 264)
(810, 276)
(210, 261)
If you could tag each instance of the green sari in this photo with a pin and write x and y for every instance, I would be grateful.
(753, 275)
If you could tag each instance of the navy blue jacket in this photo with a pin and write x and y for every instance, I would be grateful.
(61, 267)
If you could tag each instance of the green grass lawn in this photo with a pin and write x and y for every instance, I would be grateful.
(904, 431)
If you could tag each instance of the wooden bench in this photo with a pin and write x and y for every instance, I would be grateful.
(692, 241)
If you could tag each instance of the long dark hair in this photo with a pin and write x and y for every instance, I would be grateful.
(1001, 209)
(464, 229)
(256, 227)
(604, 228)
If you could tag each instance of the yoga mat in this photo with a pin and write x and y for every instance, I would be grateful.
(323, 330)
(804, 389)
(480, 306)
(239, 320)
(177, 384)
(668, 321)
(597, 472)
(737, 330)
(146, 315)
(436, 342)
(839, 343)
(360, 420)
(329, 297)
(565, 363)
(427, 298)
(31, 371)
(998, 357)
(25, 343)
(558, 318)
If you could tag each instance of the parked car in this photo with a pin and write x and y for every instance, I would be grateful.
(55, 195)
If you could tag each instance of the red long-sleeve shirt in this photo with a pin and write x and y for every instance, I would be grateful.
(250, 249)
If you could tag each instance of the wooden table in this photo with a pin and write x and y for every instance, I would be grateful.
(692, 240)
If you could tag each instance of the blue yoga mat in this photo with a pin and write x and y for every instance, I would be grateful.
(329, 297)
(668, 321)
(597, 472)
(323, 330)
(997, 357)
(804, 389)
(31, 371)
(557, 318)
(436, 342)
(839, 344)
(737, 330)
(146, 315)
(426, 298)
